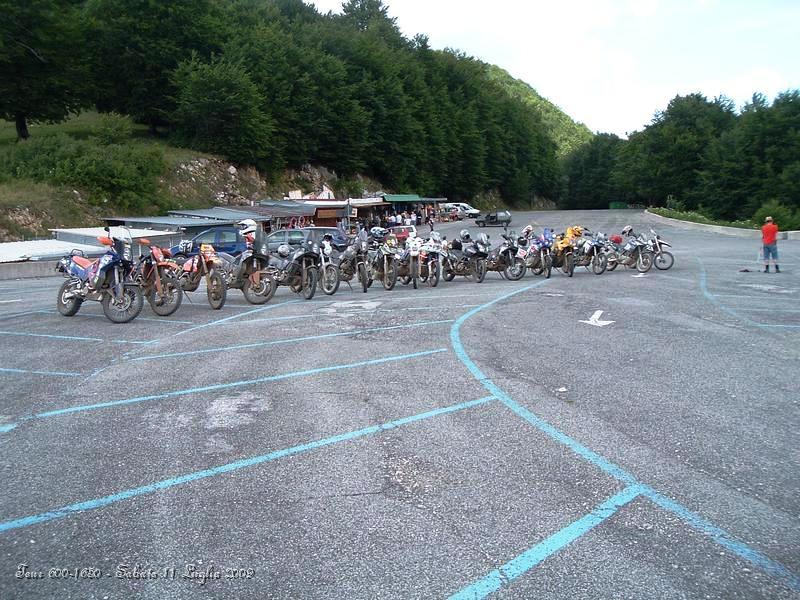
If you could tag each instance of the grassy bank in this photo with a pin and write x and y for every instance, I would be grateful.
(696, 217)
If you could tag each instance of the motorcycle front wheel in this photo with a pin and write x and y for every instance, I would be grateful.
(515, 271)
(124, 309)
(362, 277)
(645, 262)
(261, 293)
(216, 290)
(447, 273)
(68, 306)
(170, 299)
(569, 265)
(664, 261)
(389, 275)
(599, 264)
(310, 283)
(330, 279)
(433, 273)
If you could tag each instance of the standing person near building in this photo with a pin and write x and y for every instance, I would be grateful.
(769, 237)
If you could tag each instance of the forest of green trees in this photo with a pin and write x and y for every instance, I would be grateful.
(699, 155)
(276, 84)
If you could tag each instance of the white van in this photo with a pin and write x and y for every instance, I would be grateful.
(464, 210)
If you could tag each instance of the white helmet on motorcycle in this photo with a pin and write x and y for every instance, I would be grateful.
(436, 236)
(627, 230)
(527, 231)
(284, 250)
(378, 233)
(247, 226)
(464, 235)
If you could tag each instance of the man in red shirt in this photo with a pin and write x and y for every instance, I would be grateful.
(769, 236)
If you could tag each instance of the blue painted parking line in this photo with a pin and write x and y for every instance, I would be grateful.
(76, 338)
(546, 548)
(53, 373)
(220, 386)
(140, 318)
(79, 507)
(288, 340)
(713, 300)
(724, 539)
(290, 318)
(20, 314)
(238, 316)
(697, 522)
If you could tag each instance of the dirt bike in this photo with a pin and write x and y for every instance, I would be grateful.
(353, 261)
(507, 259)
(205, 265)
(430, 260)
(382, 262)
(108, 280)
(157, 276)
(538, 258)
(633, 253)
(298, 269)
(563, 254)
(248, 271)
(329, 277)
(589, 253)
(409, 269)
(467, 259)
(662, 259)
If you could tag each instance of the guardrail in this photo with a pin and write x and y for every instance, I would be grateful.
(735, 231)
(28, 269)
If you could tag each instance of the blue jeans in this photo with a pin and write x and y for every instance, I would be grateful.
(770, 250)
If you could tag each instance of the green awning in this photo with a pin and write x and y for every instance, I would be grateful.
(402, 198)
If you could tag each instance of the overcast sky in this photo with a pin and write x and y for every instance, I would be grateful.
(612, 64)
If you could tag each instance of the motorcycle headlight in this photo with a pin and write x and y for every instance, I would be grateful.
(126, 252)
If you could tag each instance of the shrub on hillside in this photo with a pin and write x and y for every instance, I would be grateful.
(124, 177)
(784, 217)
(114, 128)
(219, 110)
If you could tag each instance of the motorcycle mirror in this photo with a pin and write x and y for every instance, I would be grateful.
(144, 242)
(106, 241)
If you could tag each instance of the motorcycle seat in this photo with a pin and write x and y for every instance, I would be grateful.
(83, 262)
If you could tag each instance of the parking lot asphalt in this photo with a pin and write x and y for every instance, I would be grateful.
(465, 441)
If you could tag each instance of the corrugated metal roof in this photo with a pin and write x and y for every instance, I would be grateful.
(43, 249)
(288, 208)
(222, 213)
(116, 231)
(174, 221)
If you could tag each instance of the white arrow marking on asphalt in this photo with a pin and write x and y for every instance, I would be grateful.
(639, 275)
(595, 320)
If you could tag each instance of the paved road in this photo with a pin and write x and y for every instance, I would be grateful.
(465, 440)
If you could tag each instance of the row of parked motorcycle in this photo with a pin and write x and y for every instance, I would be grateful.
(121, 282)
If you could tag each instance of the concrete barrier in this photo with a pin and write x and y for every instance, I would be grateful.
(754, 234)
(28, 269)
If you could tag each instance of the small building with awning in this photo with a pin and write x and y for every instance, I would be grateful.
(330, 212)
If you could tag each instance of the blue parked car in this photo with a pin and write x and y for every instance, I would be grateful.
(224, 239)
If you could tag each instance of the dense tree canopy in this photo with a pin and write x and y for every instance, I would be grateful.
(43, 74)
(697, 155)
(346, 91)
